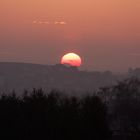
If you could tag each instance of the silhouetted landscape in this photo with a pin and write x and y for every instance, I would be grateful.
(111, 113)
(20, 76)
(69, 69)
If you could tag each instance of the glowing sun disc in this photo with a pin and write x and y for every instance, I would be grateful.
(71, 59)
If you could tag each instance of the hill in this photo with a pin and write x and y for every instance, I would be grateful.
(19, 76)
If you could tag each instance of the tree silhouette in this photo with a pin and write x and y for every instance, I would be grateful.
(52, 116)
(125, 108)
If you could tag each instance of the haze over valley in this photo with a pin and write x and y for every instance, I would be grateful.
(20, 76)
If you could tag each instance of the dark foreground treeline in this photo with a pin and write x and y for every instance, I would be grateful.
(110, 113)
(53, 117)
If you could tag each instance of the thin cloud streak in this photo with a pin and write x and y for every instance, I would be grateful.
(49, 22)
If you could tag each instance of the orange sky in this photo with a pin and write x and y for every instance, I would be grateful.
(106, 33)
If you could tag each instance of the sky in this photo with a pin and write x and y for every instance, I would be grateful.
(105, 33)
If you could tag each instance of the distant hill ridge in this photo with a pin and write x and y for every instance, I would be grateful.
(19, 76)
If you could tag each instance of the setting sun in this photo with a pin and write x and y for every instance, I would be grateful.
(71, 59)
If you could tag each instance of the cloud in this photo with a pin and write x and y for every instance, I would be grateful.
(63, 23)
(60, 22)
(40, 22)
(49, 22)
(34, 22)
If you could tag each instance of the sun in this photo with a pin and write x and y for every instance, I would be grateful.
(71, 59)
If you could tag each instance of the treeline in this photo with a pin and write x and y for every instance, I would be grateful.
(123, 103)
(52, 116)
(110, 113)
